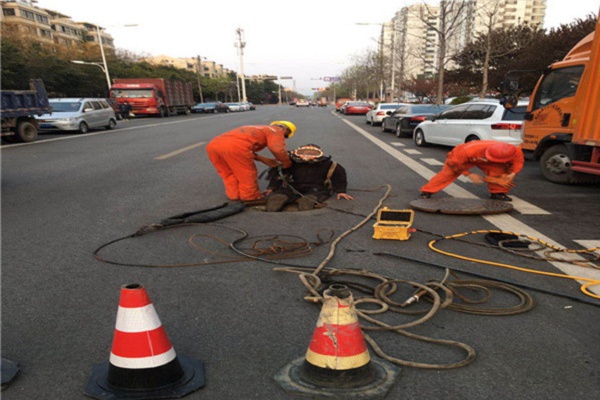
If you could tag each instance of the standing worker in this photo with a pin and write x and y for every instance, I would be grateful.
(233, 153)
(499, 161)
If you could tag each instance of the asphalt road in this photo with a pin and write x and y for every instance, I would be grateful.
(66, 195)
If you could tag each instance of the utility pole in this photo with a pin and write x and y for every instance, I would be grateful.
(198, 69)
(240, 44)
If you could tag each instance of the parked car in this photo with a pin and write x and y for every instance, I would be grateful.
(210, 108)
(356, 107)
(480, 120)
(405, 119)
(252, 106)
(302, 103)
(234, 107)
(78, 114)
(375, 115)
(340, 102)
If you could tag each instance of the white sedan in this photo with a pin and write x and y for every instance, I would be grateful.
(376, 115)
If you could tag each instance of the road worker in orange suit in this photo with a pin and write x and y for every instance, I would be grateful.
(233, 154)
(499, 161)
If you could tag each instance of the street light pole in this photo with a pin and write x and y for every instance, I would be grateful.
(240, 45)
(198, 68)
(103, 57)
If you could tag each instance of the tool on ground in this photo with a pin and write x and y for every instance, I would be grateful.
(393, 224)
(143, 363)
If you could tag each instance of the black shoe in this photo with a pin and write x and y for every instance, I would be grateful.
(276, 202)
(425, 195)
(307, 203)
(500, 196)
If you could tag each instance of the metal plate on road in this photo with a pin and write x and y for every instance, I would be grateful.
(461, 206)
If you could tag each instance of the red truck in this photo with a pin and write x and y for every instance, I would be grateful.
(154, 96)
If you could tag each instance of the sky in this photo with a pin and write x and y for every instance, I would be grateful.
(307, 40)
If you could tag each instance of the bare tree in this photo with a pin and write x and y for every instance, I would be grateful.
(445, 21)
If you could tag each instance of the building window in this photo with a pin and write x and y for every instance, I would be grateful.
(45, 33)
(27, 14)
(9, 12)
(43, 19)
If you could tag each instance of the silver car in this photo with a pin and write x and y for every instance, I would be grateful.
(78, 114)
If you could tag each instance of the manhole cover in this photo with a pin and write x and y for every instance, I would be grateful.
(451, 205)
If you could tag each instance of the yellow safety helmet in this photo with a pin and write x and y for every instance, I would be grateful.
(292, 128)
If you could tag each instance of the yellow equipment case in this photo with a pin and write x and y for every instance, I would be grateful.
(393, 224)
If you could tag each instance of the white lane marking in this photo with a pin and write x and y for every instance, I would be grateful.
(413, 151)
(432, 161)
(527, 208)
(501, 221)
(589, 244)
(104, 132)
(177, 152)
(398, 144)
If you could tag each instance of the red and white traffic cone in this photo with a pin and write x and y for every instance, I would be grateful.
(337, 362)
(142, 363)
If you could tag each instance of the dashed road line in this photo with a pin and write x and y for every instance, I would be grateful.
(179, 151)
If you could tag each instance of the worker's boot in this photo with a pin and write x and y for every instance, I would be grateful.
(307, 203)
(276, 202)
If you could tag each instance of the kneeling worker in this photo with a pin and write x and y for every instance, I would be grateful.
(312, 178)
(233, 153)
(499, 161)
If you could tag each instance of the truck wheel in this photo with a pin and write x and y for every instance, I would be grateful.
(27, 132)
(162, 113)
(555, 165)
(83, 127)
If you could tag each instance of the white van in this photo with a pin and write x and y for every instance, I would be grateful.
(78, 114)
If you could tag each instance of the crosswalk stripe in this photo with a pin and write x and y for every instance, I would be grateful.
(527, 208)
(432, 161)
(412, 151)
(398, 144)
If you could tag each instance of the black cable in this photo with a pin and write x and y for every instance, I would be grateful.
(546, 291)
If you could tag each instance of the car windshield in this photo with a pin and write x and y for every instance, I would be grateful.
(358, 104)
(515, 114)
(388, 106)
(65, 106)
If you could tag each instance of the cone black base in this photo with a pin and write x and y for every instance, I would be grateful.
(292, 379)
(99, 388)
(10, 370)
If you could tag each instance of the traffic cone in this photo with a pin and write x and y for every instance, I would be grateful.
(337, 363)
(142, 363)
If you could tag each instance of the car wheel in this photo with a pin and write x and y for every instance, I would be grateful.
(111, 124)
(398, 130)
(83, 127)
(420, 138)
(383, 128)
(471, 138)
(27, 132)
(369, 121)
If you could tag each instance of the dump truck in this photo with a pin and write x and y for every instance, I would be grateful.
(19, 108)
(153, 96)
(561, 127)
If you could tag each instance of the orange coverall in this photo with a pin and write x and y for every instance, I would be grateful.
(468, 155)
(232, 154)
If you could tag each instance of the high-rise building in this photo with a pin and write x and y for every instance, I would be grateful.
(414, 32)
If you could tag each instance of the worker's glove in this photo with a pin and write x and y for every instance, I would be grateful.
(270, 162)
(476, 178)
(504, 181)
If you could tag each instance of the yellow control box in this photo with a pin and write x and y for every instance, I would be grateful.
(393, 224)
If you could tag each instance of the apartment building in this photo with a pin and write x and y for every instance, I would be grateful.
(414, 30)
(208, 69)
(49, 27)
